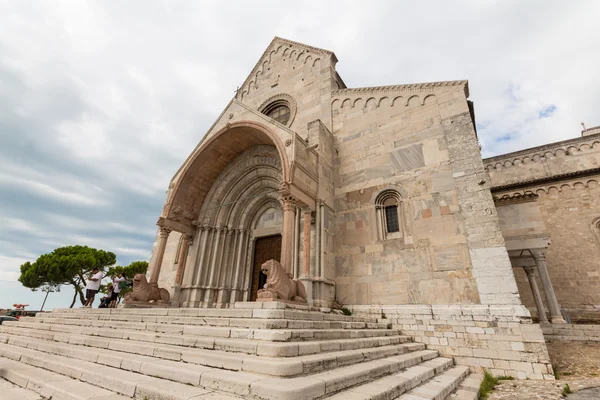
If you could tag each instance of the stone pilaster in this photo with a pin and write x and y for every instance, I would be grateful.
(306, 244)
(288, 204)
(160, 252)
(186, 241)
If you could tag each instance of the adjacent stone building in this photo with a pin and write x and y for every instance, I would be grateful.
(552, 192)
(377, 198)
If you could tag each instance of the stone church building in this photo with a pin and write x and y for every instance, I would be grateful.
(378, 199)
(374, 199)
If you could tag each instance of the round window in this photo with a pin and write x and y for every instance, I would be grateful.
(279, 112)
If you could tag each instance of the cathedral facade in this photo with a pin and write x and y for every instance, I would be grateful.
(376, 196)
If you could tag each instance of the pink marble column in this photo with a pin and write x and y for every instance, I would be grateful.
(536, 294)
(288, 203)
(306, 243)
(539, 255)
(186, 241)
(160, 252)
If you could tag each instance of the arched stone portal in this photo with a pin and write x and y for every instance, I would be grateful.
(219, 203)
(241, 206)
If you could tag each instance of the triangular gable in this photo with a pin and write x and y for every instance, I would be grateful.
(276, 44)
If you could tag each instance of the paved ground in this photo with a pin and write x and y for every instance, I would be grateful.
(586, 394)
(578, 364)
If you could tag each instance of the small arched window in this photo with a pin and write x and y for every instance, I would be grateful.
(388, 213)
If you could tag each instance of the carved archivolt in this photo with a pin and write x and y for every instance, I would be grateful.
(544, 152)
(549, 188)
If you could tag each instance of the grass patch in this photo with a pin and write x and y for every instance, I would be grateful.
(488, 383)
(566, 390)
(346, 311)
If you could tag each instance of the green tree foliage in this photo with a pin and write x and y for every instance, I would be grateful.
(69, 265)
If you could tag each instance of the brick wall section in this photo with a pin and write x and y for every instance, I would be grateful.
(500, 339)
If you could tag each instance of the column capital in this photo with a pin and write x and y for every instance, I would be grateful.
(164, 231)
(187, 238)
(530, 271)
(288, 202)
(538, 254)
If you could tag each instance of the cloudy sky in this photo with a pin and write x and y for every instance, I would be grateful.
(101, 101)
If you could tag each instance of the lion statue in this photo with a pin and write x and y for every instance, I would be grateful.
(280, 285)
(145, 292)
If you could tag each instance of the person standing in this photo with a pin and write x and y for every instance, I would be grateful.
(117, 285)
(92, 287)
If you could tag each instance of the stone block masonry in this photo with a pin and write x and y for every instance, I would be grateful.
(495, 338)
(571, 333)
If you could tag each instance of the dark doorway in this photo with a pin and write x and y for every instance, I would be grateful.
(265, 249)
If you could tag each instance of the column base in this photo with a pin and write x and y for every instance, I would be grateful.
(176, 295)
(557, 320)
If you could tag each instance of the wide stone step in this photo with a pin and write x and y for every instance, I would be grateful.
(272, 310)
(439, 387)
(468, 389)
(329, 383)
(175, 323)
(260, 348)
(74, 378)
(239, 383)
(11, 391)
(114, 352)
(39, 382)
(392, 386)
(275, 335)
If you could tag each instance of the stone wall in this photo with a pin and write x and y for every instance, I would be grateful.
(573, 257)
(545, 162)
(571, 333)
(499, 339)
(305, 73)
(419, 141)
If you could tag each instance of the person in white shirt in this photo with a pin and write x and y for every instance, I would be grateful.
(92, 287)
(116, 289)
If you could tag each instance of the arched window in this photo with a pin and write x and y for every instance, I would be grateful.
(388, 214)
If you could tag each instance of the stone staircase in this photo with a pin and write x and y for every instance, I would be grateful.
(253, 351)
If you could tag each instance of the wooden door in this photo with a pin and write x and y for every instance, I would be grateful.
(265, 249)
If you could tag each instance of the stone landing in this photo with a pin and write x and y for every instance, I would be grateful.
(254, 351)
